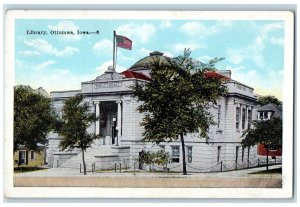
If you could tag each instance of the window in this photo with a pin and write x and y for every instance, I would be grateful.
(243, 153)
(219, 154)
(243, 118)
(248, 155)
(189, 154)
(236, 153)
(249, 118)
(263, 115)
(237, 118)
(175, 153)
(22, 157)
(219, 115)
(32, 155)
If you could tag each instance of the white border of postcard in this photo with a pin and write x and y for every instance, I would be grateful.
(89, 192)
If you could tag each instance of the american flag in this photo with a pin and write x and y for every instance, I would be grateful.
(123, 42)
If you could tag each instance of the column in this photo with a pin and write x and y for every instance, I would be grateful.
(119, 121)
(97, 126)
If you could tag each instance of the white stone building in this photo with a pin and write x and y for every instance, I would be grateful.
(110, 96)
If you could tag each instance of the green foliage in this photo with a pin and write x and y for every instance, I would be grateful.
(264, 100)
(159, 157)
(34, 117)
(176, 99)
(267, 132)
(75, 120)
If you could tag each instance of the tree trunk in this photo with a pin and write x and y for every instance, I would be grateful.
(84, 167)
(183, 155)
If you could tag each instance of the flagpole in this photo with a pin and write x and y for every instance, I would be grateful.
(114, 51)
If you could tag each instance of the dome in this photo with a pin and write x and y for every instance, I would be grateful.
(147, 62)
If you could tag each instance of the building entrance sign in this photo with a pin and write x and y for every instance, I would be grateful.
(107, 85)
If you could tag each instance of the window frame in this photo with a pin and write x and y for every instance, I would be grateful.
(219, 153)
(237, 117)
(263, 115)
(243, 153)
(189, 153)
(175, 153)
(243, 118)
(237, 149)
(249, 118)
(219, 115)
(32, 155)
(25, 160)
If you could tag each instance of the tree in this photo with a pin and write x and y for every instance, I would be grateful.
(268, 132)
(76, 118)
(159, 157)
(176, 99)
(34, 117)
(264, 100)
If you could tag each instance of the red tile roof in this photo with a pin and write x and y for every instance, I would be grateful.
(132, 74)
(213, 74)
(208, 74)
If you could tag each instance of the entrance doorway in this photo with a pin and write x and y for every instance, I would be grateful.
(108, 121)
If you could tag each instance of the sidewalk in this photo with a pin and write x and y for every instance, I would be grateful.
(69, 172)
(63, 177)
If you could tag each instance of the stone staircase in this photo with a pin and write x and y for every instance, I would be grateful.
(89, 155)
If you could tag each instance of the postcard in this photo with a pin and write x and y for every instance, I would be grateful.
(149, 104)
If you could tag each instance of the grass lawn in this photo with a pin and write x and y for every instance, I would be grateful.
(23, 169)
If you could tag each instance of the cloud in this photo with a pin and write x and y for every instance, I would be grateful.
(104, 46)
(122, 57)
(30, 53)
(44, 65)
(49, 76)
(255, 49)
(196, 28)
(43, 47)
(204, 58)
(66, 26)
(267, 30)
(137, 32)
(165, 24)
(168, 54)
(235, 69)
(104, 66)
(264, 83)
(68, 51)
(277, 41)
(179, 47)
(225, 23)
(252, 51)
(145, 52)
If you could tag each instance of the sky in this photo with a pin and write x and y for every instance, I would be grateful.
(253, 50)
